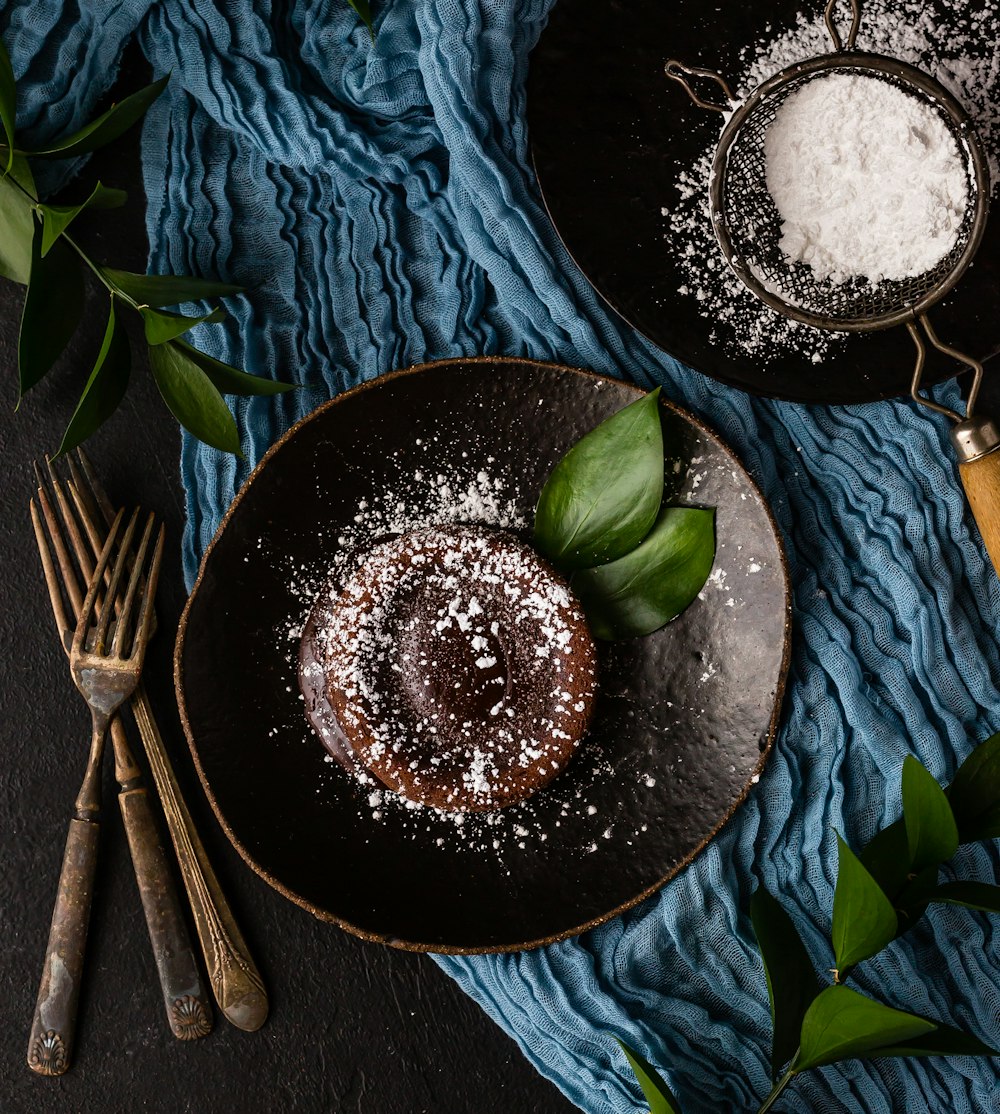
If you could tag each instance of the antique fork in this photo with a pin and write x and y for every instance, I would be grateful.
(233, 974)
(105, 675)
(189, 1014)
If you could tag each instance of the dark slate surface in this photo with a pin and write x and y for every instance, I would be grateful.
(353, 1026)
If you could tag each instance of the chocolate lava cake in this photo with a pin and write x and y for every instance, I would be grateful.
(454, 665)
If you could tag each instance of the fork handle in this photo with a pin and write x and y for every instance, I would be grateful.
(233, 974)
(188, 1010)
(53, 1029)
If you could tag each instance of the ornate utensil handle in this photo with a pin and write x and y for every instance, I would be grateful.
(235, 980)
(189, 1012)
(53, 1028)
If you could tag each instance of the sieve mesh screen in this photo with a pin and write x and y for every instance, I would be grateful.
(745, 213)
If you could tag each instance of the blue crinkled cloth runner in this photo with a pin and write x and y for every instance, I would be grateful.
(382, 195)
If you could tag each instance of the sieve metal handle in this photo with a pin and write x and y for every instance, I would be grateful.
(967, 444)
(852, 35)
(678, 72)
(975, 437)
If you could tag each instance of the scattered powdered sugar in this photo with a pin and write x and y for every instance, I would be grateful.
(959, 46)
(425, 498)
(574, 811)
(419, 709)
(868, 180)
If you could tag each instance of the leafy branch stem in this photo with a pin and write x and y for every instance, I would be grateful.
(37, 252)
(35, 203)
(776, 1091)
(116, 291)
(879, 894)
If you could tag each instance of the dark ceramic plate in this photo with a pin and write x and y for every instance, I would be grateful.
(683, 722)
(609, 136)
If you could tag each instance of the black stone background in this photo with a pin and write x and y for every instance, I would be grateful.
(354, 1027)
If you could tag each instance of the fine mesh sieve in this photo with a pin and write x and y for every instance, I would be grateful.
(749, 227)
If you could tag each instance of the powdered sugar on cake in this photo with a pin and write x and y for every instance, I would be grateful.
(458, 665)
(451, 489)
(423, 498)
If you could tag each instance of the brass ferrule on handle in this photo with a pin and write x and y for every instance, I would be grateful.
(975, 438)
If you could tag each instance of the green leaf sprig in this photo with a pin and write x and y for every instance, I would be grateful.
(879, 895)
(37, 251)
(635, 563)
(363, 9)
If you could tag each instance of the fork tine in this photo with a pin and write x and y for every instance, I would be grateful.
(51, 576)
(93, 526)
(125, 612)
(108, 610)
(66, 570)
(86, 612)
(144, 622)
(81, 549)
(85, 498)
(94, 486)
(86, 492)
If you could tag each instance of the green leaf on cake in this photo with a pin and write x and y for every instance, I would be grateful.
(602, 498)
(642, 591)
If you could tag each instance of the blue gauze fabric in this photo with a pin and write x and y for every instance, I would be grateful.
(382, 197)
